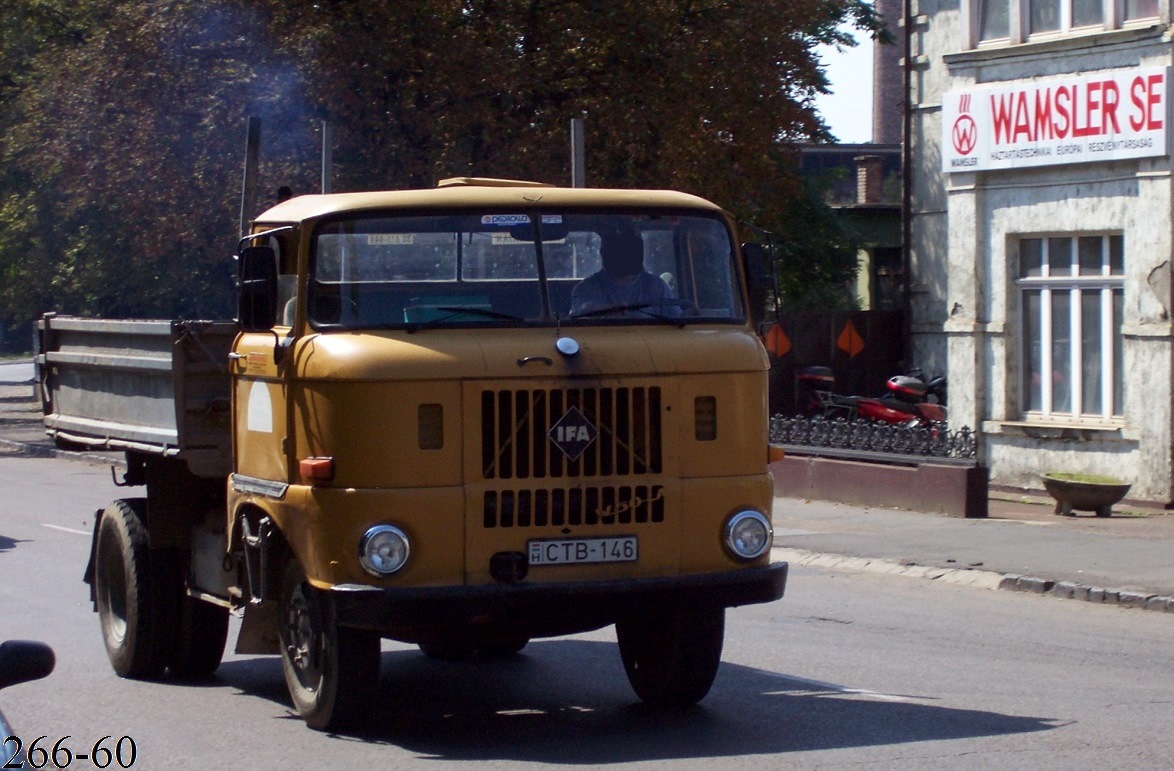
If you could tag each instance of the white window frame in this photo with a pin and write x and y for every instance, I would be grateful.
(1046, 286)
(1019, 21)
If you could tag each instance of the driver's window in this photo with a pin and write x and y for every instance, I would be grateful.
(287, 285)
(287, 298)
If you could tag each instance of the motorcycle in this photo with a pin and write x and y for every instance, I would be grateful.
(20, 662)
(909, 399)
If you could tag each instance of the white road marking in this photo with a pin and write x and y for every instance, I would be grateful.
(817, 685)
(65, 529)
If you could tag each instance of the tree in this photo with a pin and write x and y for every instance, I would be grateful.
(123, 121)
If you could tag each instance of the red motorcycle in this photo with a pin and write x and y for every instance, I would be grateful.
(909, 399)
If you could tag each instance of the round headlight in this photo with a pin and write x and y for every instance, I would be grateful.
(748, 535)
(384, 550)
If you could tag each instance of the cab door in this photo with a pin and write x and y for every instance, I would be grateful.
(260, 370)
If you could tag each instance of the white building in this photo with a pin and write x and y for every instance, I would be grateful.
(1041, 231)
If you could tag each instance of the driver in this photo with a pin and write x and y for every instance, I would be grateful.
(622, 282)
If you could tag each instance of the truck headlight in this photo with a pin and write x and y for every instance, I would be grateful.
(748, 535)
(384, 549)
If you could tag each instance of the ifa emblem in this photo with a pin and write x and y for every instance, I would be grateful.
(573, 433)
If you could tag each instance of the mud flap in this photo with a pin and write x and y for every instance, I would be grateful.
(258, 635)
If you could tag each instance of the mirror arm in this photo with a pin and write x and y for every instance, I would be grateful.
(263, 234)
(281, 345)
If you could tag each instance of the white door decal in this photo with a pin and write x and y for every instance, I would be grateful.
(260, 409)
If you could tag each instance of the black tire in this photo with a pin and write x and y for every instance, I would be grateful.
(131, 608)
(671, 655)
(332, 672)
(201, 634)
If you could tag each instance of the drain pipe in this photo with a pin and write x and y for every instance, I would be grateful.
(907, 183)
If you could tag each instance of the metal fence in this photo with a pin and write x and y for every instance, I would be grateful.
(876, 442)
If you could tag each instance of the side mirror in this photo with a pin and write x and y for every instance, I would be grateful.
(24, 660)
(257, 298)
(760, 279)
(755, 261)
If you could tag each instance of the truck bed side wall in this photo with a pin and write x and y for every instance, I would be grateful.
(154, 387)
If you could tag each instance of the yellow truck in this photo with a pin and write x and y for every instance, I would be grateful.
(462, 417)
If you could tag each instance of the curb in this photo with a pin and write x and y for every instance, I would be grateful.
(27, 448)
(1070, 590)
(32, 450)
(983, 579)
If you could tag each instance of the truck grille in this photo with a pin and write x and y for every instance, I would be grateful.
(515, 427)
(624, 505)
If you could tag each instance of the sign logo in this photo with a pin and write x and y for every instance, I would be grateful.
(573, 433)
(965, 133)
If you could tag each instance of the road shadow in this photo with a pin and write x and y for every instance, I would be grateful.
(567, 701)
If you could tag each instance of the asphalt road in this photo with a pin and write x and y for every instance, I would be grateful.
(849, 670)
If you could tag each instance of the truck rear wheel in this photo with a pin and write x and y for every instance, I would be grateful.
(332, 672)
(201, 634)
(130, 606)
(671, 655)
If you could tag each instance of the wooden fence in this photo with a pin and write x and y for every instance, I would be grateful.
(862, 348)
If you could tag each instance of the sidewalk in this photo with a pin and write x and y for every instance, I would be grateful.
(1125, 560)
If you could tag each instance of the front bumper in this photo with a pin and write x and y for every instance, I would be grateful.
(541, 610)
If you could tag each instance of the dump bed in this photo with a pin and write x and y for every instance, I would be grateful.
(156, 387)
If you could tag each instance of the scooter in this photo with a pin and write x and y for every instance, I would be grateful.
(909, 399)
(20, 662)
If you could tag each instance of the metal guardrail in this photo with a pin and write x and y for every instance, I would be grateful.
(874, 442)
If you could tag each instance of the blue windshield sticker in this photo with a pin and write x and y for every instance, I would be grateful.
(505, 220)
(510, 220)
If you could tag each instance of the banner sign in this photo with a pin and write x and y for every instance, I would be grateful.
(1077, 119)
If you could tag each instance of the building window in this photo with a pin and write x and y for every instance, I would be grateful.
(1140, 9)
(1072, 294)
(1018, 20)
(1058, 15)
(994, 19)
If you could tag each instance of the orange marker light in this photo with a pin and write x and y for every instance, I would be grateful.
(317, 469)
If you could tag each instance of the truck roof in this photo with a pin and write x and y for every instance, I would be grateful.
(464, 192)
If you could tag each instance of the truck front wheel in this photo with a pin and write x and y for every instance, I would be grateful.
(130, 608)
(671, 654)
(332, 672)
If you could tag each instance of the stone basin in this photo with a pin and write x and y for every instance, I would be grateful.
(1084, 492)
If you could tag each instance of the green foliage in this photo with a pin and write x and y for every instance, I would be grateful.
(814, 254)
(122, 123)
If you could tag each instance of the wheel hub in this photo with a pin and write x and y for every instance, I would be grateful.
(303, 636)
(112, 588)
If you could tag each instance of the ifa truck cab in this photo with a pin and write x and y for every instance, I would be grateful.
(463, 418)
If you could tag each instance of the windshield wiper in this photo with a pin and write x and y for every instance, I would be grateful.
(453, 311)
(638, 307)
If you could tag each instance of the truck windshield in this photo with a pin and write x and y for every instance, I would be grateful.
(505, 268)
